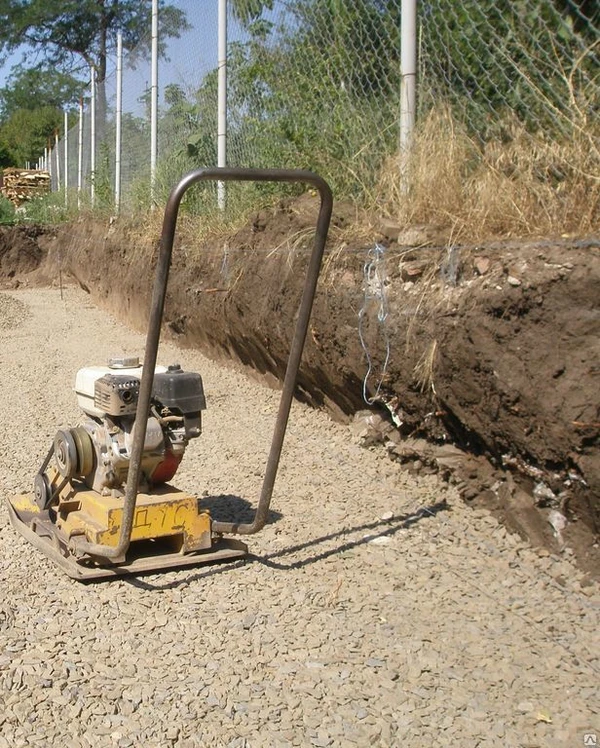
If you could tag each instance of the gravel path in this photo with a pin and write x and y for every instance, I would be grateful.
(368, 614)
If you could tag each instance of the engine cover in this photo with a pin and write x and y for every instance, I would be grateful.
(88, 377)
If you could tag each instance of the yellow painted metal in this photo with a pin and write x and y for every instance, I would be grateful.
(166, 513)
(25, 502)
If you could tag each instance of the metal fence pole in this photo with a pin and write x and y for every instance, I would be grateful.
(66, 141)
(154, 103)
(80, 154)
(118, 122)
(57, 156)
(92, 135)
(408, 91)
(222, 99)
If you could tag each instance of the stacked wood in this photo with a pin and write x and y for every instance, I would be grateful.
(19, 185)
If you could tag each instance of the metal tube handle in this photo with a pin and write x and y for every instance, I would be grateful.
(153, 337)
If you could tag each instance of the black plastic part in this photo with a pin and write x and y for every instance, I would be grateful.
(180, 390)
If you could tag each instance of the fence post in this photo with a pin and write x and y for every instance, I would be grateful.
(408, 91)
(92, 135)
(80, 154)
(118, 122)
(222, 99)
(66, 141)
(154, 103)
(57, 156)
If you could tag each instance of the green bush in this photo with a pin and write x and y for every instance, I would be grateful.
(7, 211)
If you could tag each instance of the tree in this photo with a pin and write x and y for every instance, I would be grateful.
(25, 134)
(74, 34)
(27, 88)
(247, 11)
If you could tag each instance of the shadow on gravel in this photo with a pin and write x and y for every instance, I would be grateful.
(392, 525)
(229, 508)
(399, 522)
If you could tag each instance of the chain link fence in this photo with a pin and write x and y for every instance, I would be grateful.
(537, 62)
(316, 84)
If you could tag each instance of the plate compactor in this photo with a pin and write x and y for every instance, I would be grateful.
(102, 505)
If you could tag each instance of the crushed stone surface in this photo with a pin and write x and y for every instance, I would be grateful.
(12, 312)
(375, 609)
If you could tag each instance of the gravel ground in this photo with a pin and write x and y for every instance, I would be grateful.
(376, 609)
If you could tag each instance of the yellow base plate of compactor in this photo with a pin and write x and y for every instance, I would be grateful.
(169, 531)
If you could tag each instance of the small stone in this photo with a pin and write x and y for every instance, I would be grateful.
(512, 281)
(525, 707)
(482, 265)
(389, 228)
(380, 540)
(248, 621)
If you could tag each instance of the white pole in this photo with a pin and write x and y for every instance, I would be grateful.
(92, 134)
(154, 102)
(66, 141)
(119, 114)
(56, 154)
(46, 158)
(80, 155)
(222, 98)
(408, 91)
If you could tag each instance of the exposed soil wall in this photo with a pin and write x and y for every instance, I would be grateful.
(495, 348)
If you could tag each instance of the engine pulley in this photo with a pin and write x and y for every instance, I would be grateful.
(65, 453)
(42, 490)
(73, 452)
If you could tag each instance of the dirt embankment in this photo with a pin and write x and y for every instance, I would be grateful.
(495, 349)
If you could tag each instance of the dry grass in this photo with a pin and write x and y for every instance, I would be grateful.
(425, 367)
(519, 185)
(526, 185)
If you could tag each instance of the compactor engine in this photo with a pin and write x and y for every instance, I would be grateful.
(99, 450)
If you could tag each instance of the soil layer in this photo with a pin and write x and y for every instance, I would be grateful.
(494, 349)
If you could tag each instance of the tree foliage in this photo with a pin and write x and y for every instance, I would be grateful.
(72, 32)
(25, 134)
(27, 88)
(305, 89)
(247, 11)
(62, 38)
(31, 106)
(511, 56)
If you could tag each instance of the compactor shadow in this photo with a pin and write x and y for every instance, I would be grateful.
(393, 525)
(230, 508)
